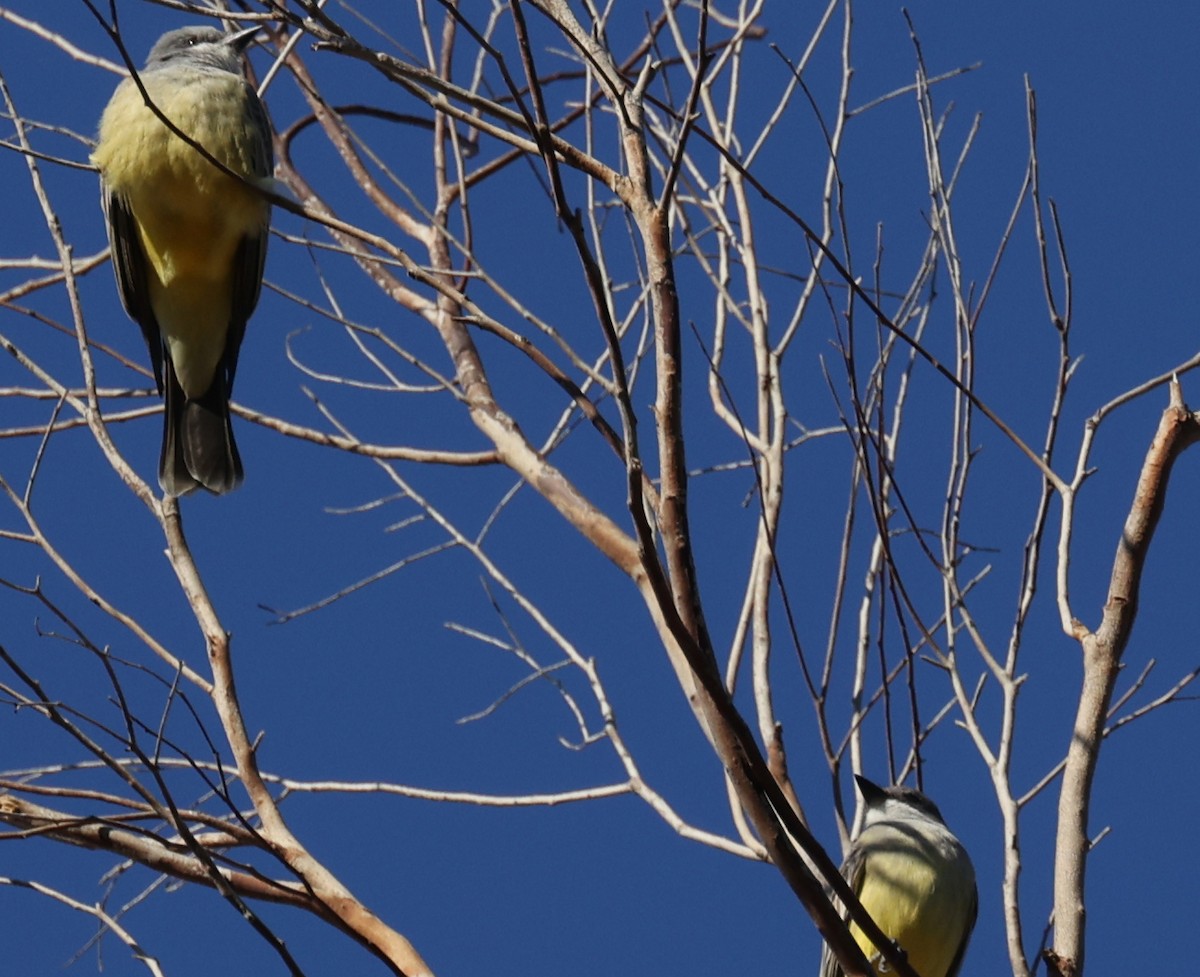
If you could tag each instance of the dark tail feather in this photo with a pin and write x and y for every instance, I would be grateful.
(198, 449)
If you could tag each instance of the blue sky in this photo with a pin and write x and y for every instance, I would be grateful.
(372, 687)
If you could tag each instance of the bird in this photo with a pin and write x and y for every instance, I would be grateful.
(916, 880)
(188, 240)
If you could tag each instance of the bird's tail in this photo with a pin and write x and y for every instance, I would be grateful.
(198, 450)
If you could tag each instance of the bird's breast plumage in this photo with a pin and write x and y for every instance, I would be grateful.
(145, 162)
(919, 887)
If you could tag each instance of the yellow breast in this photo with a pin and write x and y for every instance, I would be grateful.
(920, 895)
(191, 214)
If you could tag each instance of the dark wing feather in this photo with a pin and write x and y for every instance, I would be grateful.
(972, 915)
(251, 256)
(852, 872)
(248, 263)
(129, 265)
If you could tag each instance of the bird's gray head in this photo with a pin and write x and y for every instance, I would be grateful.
(200, 47)
(887, 803)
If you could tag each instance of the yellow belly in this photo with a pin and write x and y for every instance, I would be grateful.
(919, 903)
(190, 216)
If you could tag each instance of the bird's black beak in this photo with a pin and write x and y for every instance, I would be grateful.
(871, 793)
(240, 40)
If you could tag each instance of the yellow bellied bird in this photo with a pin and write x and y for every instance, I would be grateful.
(189, 240)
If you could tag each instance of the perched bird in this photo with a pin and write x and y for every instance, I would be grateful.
(188, 240)
(914, 878)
